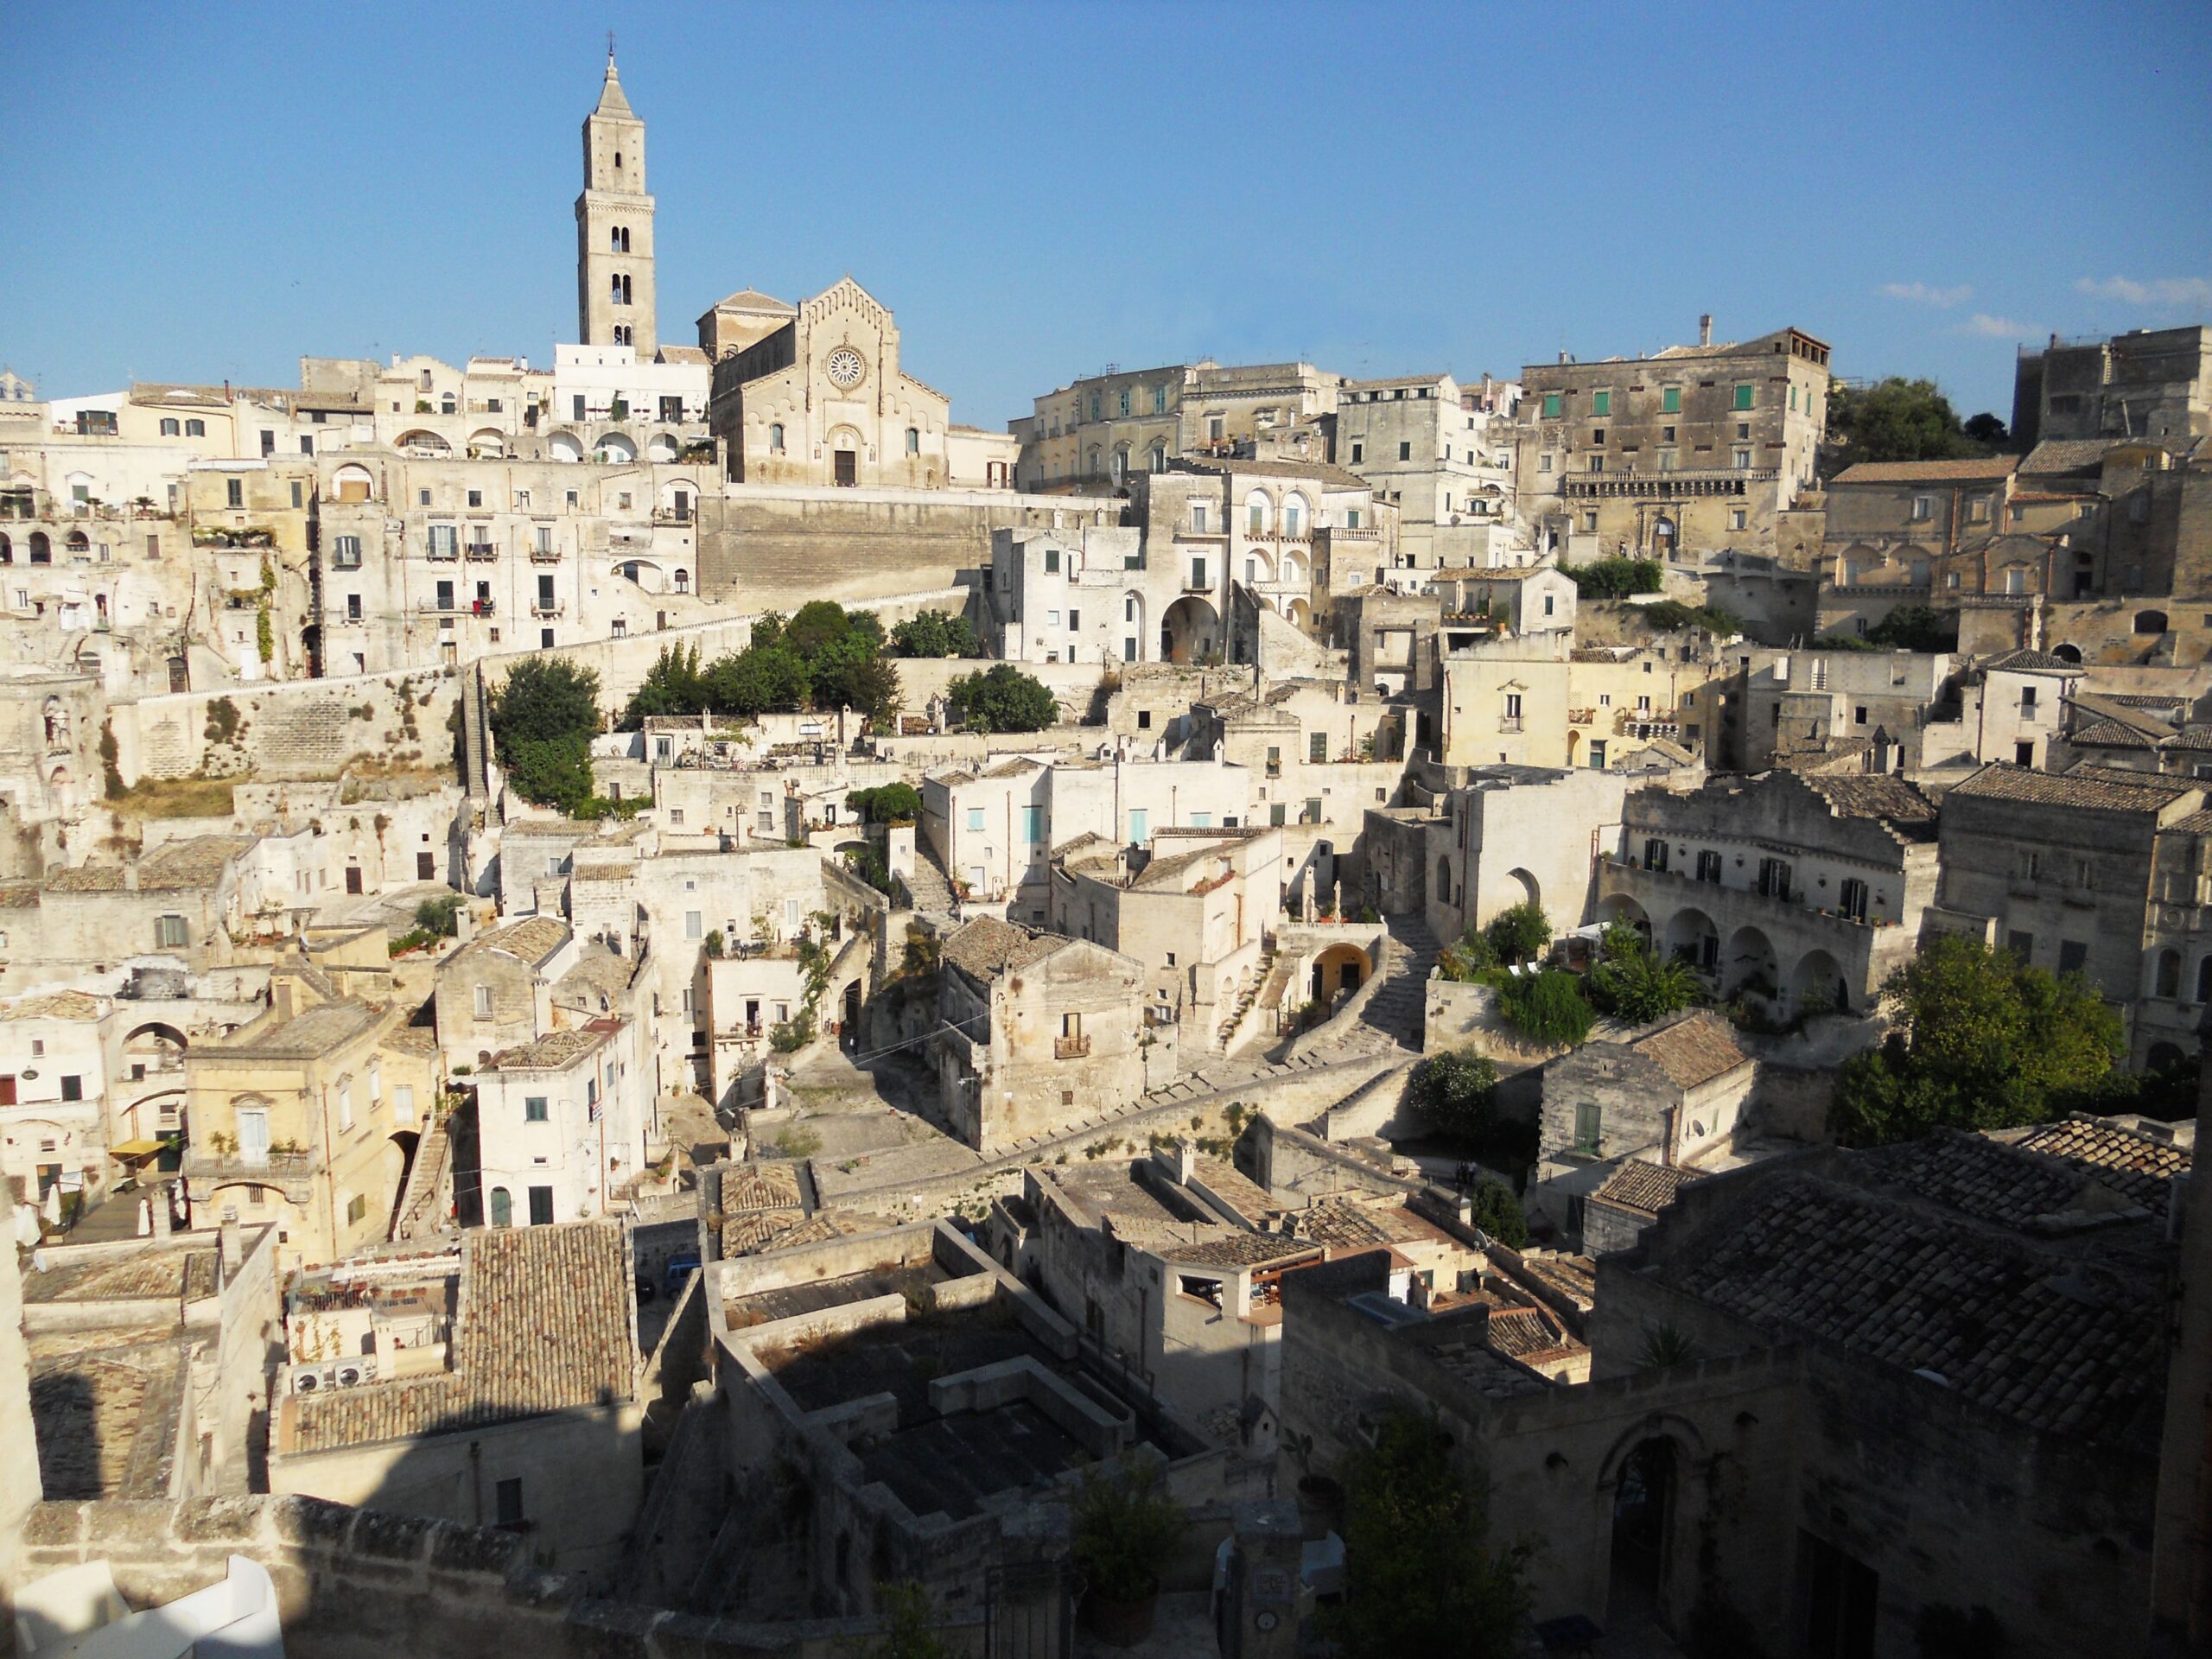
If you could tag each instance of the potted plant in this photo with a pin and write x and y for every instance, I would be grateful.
(1125, 1529)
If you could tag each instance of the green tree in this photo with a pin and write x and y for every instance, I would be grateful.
(933, 633)
(1547, 1007)
(1125, 1529)
(673, 685)
(1520, 934)
(1420, 1576)
(1896, 419)
(1497, 1213)
(1982, 1041)
(1456, 1092)
(1001, 698)
(1988, 431)
(1636, 984)
(542, 717)
(888, 804)
(441, 915)
(1617, 578)
(759, 680)
(1672, 616)
(1916, 627)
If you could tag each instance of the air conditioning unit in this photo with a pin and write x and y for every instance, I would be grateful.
(354, 1373)
(313, 1379)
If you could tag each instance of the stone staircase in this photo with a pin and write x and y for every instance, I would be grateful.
(931, 892)
(1398, 1010)
(1225, 1034)
(422, 1201)
(476, 733)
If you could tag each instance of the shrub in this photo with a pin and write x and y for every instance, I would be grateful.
(890, 803)
(1547, 1007)
(1635, 984)
(934, 633)
(1456, 1092)
(1125, 1529)
(1002, 698)
(441, 915)
(1617, 578)
(1497, 1213)
(1468, 961)
(1520, 934)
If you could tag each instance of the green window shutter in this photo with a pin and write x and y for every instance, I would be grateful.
(1551, 405)
(1604, 403)
(1743, 397)
(1670, 401)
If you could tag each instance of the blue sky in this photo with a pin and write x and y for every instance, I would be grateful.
(1039, 191)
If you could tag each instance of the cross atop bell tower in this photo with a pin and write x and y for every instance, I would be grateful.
(614, 226)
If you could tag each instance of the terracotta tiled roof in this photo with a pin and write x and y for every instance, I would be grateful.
(1529, 1334)
(546, 1323)
(1240, 1249)
(1695, 1048)
(1871, 795)
(58, 1005)
(772, 1184)
(531, 939)
(987, 947)
(1994, 1180)
(2136, 1164)
(1990, 467)
(1646, 1188)
(2096, 791)
(2033, 662)
(2069, 1343)
(308, 1035)
(554, 1049)
(2102, 733)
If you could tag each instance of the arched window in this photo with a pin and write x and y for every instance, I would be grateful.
(2150, 621)
(1159, 458)
(1259, 512)
(80, 542)
(41, 550)
(2169, 980)
(682, 581)
(503, 1207)
(7, 551)
(914, 441)
(1294, 514)
(776, 439)
(171, 427)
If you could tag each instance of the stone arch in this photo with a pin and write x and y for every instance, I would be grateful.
(1691, 936)
(2150, 622)
(354, 482)
(614, 446)
(1748, 961)
(1259, 513)
(1339, 968)
(565, 446)
(1300, 613)
(1191, 630)
(1297, 514)
(1532, 891)
(1258, 567)
(2165, 1057)
(1619, 907)
(79, 541)
(422, 443)
(1644, 1492)
(1817, 982)
(646, 574)
(2067, 653)
(1294, 570)
(41, 549)
(487, 443)
(661, 447)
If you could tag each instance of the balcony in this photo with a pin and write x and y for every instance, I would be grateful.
(447, 554)
(545, 555)
(541, 607)
(1071, 1048)
(1509, 723)
(483, 552)
(272, 1168)
(672, 515)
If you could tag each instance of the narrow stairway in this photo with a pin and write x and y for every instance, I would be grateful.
(1398, 1009)
(422, 1201)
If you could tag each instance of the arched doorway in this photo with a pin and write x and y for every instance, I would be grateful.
(1191, 631)
(2067, 653)
(1663, 539)
(850, 1028)
(2163, 1057)
(1749, 962)
(1532, 891)
(1816, 985)
(1645, 1500)
(1619, 907)
(1443, 893)
(503, 1207)
(1692, 936)
(1338, 971)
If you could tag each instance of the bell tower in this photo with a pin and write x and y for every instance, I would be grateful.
(614, 227)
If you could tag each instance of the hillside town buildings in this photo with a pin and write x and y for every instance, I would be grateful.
(681, 1171)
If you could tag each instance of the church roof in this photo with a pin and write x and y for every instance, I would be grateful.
(611, 101)
(752, 299)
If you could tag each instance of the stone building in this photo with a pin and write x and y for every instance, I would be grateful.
(1196, 908)
(495, 992)
(1806, 890)
(1693, 448)
(2099, 872)
(1036, 1033)
(54, 1096)
(615, 299)
(1929, 1374)
(561, 1125)
(1442, 458)
(1101, 432)
(2147, 383)
(179, 906)
(1875, 709)
(495, 1382)
(308, 1116)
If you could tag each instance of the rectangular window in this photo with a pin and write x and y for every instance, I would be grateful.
(1654, 853)
(1052, 561)
(2021, 944)
(1742, 459)
(235, 491)
(1738, 518)
(1140, 825)
(1670, 400)
(344, 1105)
(1312, 813)
(1198, 517)
(1197, 572)
(72, 1088)
(692, 928)
(2073, 955)
(1709, 867)
(1743, 397)
(508, 1493)
(483, 1001)
(169, 933)
(1358, 454)
(541, 1214)
(533, 1109)
(1601, 403)
(976, 817)
(357, 1207)
(1033, 825)
(1551, 405)
(1589, 1126)
(1405, 452)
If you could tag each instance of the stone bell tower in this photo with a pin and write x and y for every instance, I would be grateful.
(614, 228)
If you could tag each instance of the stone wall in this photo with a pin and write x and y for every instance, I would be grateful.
(354, 1584)
(294, 729)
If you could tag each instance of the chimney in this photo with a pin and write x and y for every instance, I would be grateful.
(1704, 329)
